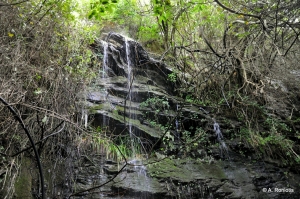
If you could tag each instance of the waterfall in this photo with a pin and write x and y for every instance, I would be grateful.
(129, 80)
(128, 58)
(136, 162)
(219, 135)
(177, 136)
(129, 86)
(104, 70)
(104, 64)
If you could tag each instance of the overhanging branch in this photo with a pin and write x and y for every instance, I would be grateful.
(18, 118)
(236, 12)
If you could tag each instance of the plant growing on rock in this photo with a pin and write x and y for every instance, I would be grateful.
(157, 106)
(172, 77)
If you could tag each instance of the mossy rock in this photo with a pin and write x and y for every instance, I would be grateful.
(23, 183)
(184, 170)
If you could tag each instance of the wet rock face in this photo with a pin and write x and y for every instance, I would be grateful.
(123, 51)
(128, 77)
(185, 178)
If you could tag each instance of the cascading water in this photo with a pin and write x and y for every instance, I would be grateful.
(104, 63)
(219, 135)
(104, 70)
(177, 136)
(138, 164)
(132, 114)
(129, 86)
(129, 79)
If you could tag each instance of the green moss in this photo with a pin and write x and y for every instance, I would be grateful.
(118, 114)
(184, 170)
(24, 181)
(136, 123)
(94, 109)
(120, 108)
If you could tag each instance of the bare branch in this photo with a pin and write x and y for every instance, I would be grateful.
(110, 180)
(40, 141)
(209, 45)
(235, 12)
(18, 118)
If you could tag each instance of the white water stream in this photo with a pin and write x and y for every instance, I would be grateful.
(129, 87)
(223, 146)
(104, 75)
(104, 63)
(136, 162)
(139, 167)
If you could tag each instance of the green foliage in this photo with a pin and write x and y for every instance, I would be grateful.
(162, 9)
(272, 143)
(192, 142)
(189, 99)
(172, 77)
(79, 65)
(38, 77)
(275, 125)
(137, 21)
(149, 31)
(168, 141)
(101, 144)
(101, 8)
(157, 104)
(126, 10)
